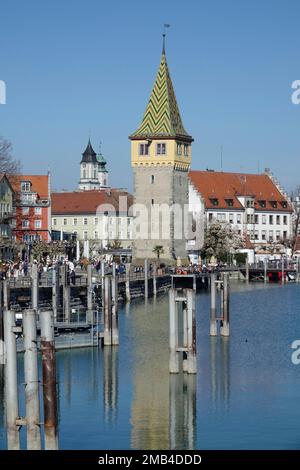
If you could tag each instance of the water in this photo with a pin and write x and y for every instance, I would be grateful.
(245, 395)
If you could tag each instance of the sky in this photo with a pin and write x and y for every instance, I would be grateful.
(76, 68)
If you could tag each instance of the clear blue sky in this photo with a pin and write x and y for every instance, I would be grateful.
(76, 66)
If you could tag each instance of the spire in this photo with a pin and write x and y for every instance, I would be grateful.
(162, 116)
(89, 155)
(164, 44)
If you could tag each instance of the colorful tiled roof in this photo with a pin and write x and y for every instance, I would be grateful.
(225, 188)
(162, 116)
(87, 202)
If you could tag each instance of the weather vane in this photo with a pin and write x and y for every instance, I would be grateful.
(164, 35)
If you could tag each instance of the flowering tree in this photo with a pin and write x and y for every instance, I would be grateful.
(219, 240)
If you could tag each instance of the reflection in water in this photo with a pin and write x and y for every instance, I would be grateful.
(163, 412)
(150, 404)
(1, 396)
(182, 411)
(110, 382)
(220, 370)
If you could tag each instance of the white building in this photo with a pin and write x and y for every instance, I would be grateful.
(99, 216)
(252, 203)
(93, 172)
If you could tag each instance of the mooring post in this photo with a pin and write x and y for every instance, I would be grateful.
(191, 316)
(247, 268)
(114, 315)
(34, 287)
(77, 250)
(213, 297)
(154, 267)
(107, 312)
(185, 336)
(282, 270)
(32, 401)
(55, 290)
(11, 382)
(49, 379)
(265, 270)
(225, 318)
(173, 341)
(89, 290)
(146, 277)
(102, 284)
(127, 282)
(2, 347)
(6, 295)
(114, 290)
(66, 294)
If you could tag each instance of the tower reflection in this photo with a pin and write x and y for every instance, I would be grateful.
(110, 382)
(220, 370)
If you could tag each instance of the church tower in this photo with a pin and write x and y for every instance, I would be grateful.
(160, 159)
(93, 172)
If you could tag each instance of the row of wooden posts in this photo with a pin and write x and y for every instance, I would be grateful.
(32, 319)
(182, 308)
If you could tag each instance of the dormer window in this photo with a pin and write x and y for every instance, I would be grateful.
(262, 203)
(229, 202)
(284, 204)
(25, 186)
(214, 201)
(273, 204)
(161, 149)
(144, 149)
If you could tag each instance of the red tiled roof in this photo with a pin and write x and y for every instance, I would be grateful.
(221, 186)
(39, 183)
(86, 202)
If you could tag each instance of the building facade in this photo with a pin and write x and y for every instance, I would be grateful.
(99, 216)
(93, 172)
(33, 207)
(160, 159)
(7, 216)
(252, 203)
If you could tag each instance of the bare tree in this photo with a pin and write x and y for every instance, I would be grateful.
(8, 164)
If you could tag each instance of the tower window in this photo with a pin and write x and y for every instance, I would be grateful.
(152, 179)
(186, 150)
(160, 149)
(84, 174)
(179, 149)
(152, 202)
(95, 174)
(144, 149)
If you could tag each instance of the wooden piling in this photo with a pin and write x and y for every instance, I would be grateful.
(282, 270)
(11, 382)
(247, 268)
(225, 317)
(32, 401)
(173, 339)
(127, 282)
(154, 267)
(265, 270)
(191, 316)
(114, 317)
(89, 290)
(107, 312)
(185, 336)
(213, 296)
(55, 290)
(34, 287)
(146, 277)
(66, 294)
(49, 379)
(2, 347)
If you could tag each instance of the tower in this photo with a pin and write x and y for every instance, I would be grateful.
(93, 172)
(160, 159)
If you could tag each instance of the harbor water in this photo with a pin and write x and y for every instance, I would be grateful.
(245, 395)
